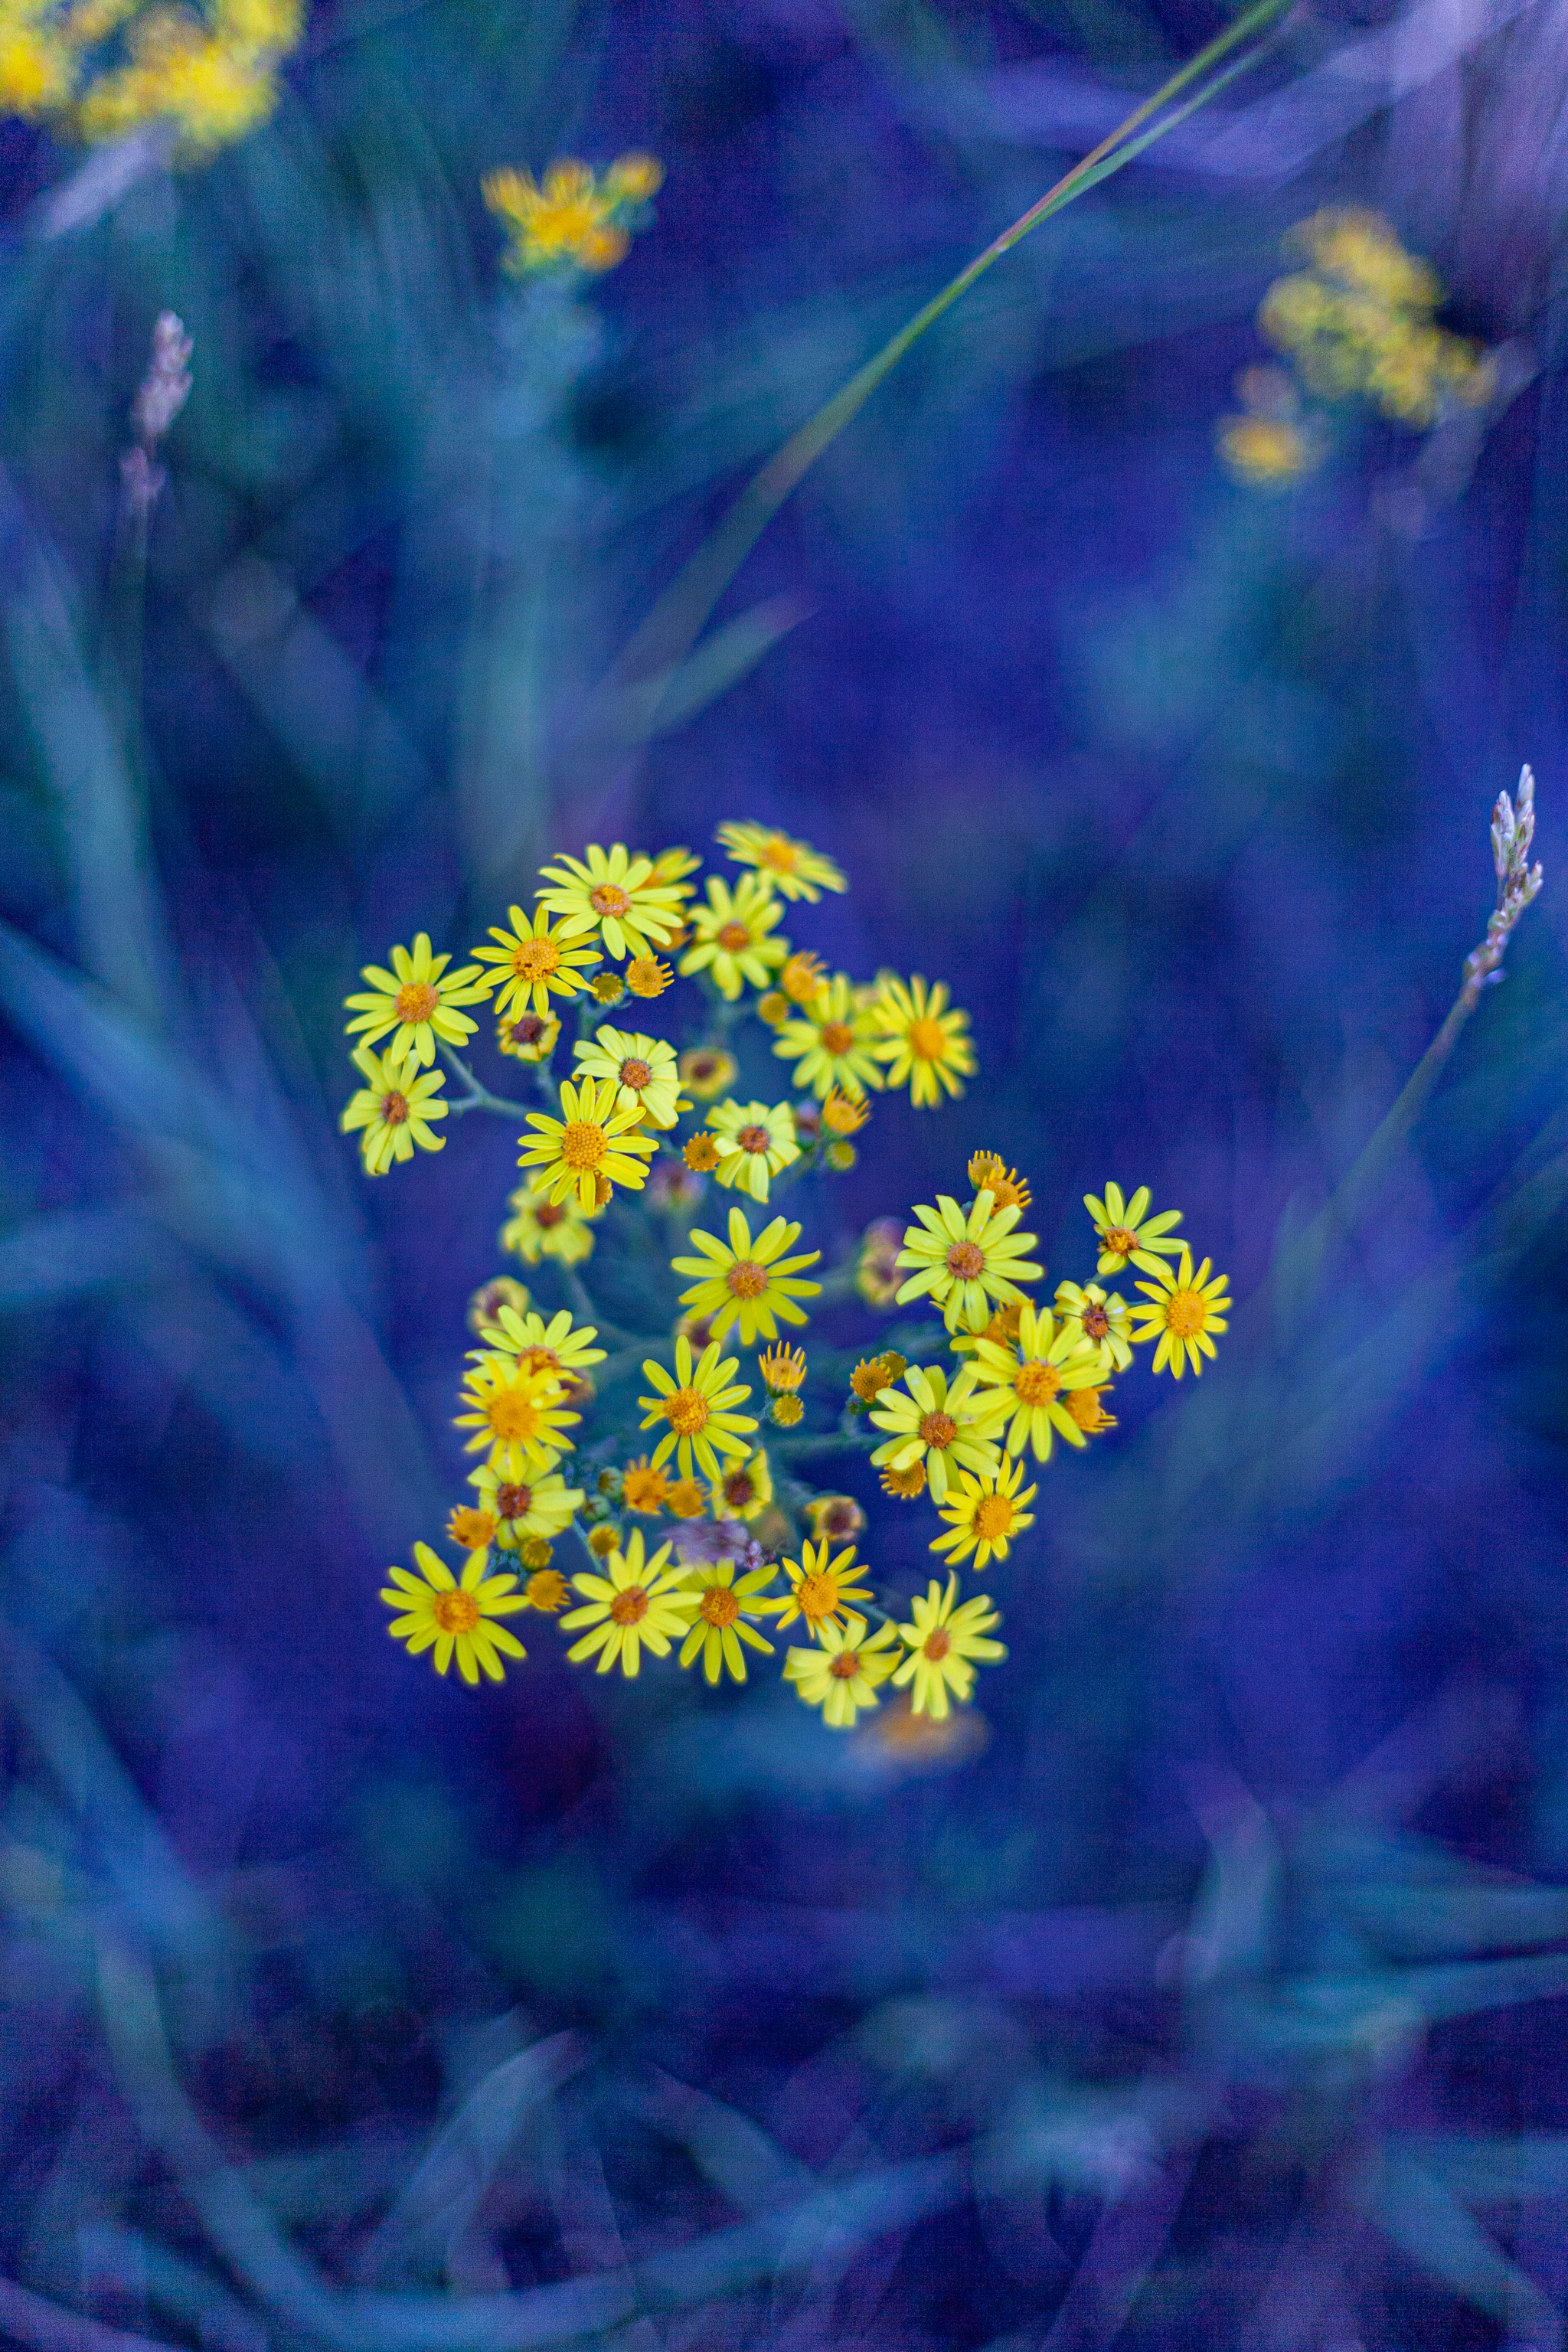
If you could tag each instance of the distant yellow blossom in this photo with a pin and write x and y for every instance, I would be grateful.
(844, 1675)
(644, 1488)
(415, 1001)
(1101, 1316)
(706, 1070)
(394, 1107)
(1266, 452)
(701, 1154)
(539, 1228)
(733, 935)
(801, 976)
(742, 1489)
(209, 75)
(523, 1338)
(752, 1143)
(447, 1617)
(942, 1643)
(793, 868)
(572, 216)
(748, 1282)
(924, 1045)
(839, 1517)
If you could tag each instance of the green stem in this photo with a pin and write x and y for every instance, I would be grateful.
(478, 1097)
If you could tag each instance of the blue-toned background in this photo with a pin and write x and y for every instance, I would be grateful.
(1218, 1995)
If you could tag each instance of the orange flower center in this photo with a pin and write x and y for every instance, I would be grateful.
(1120, 1238)
(733, 937)
(993, 1518)
(583, 1143)
(416, 1001)
(513, 1502)
(938, 1430)
(818, 1595)
(635, 1074)
(1096, 1322)
(927, 1040)
(456, 1613)
(609, 899)
(1186, 1314)
(395, 1107)
(753, 1138)
(1036, 1384)
(746, 1278)
(535, 959)
(966, 1260)
(779, 855)
(937, 1643)
(514, 1417)
(630, 1607)
(844, 1665)
(685, 1411)
(836, 1037)
(720, 1606)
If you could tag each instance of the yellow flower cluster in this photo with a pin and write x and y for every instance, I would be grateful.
(572, 218)
(97, 69)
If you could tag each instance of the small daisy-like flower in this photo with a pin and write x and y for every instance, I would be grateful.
(989, 1172)
(844, 1114)
(1102, 1317)
(905, 1486)
(877, 1275)
(832, 1043)
(701, 1154)
(723, 1619)
(615, 894)
(487, 1302)
(742, 1489)
(686, 1500)
(395, 1107)
(644, 1488)
(414, 1002)
(872, 1374)
(530, 963)
(773, 1006)
(942, 1643)
(608, 989)
(1087, 1407)
(801, 976)
(534, 1552)
(706, 1070)
(641, 1069)
(784, 1411)
(1128, 1236)
(637, 1603)
(821, 1584)
(673, 865)
(471, 1530)
(842, 1676)
(839, 1156)
(748, 1282)
(984, 1514)
(571, 217)
(518, 1416)
(698, 1406)
(530, 1344)
(645, 976)
(539, 1228)
(529, 1037)
(962, 1263)
(732, 936)
(1185, 1308)
(1028, 1387)
(526, 1510)
(594, 1139)
(447, 1617)
(783, 1369)
(754, 1142)
(547, 1591)
(924, 1043)
(603, 1541)
(837, 1518)
(793, 868)
(940, 1424)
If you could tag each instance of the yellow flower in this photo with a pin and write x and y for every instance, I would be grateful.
(1099, 1315)
(528, 1344)
(833, 1044)
(518, 1416)
(641, 1070)
(529, 1036)
(528, 1509)
(936, 1423)
(532, 963)
(734, 935)
(984, 1514)
(1126, 1233)
(644, 1488)
(686, 1500)
(869, 1379)
(539, 1228)
(989, 1172)
(723, 1620)
(608, 989)
(793, 868)
(1266, 452)
(547, 1591)
(1185, 1308)
(752, 1143)
(211, 78)
(487, 1302)
(773, 1006)
(442, 1615)
(469, 1529)
(844, 1114)
(593, 1138)
(942, 1641)
(603, 1541)
(742, 1489)
(571, 218)
(746, 1281)
(907, 1485)
(783, 1369)
(701, 1154)
(395, 1107)
(924, 1043)
(843, 1675)
(1027, 1389)
(962, 1263)
(698, 1404)
(1088, 1408)
(785, 1411)
(616, 895)
(637, 1601)
(837, 1518)
(1363, 250)
(821, 1587)
(801, 976)
(645, 976)
(416, 1002)
(673, 865)
(706, 1070)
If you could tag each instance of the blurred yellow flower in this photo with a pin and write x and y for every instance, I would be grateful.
(1265, 452)
(706, 1070)
(571, 217)
(99, 70)
(833, 1044)
(526, 1510)
(752, 1143)
(539, 1228)
(742, 1489)
(394, 1109)
(921, 1041)
(793, 868)
(519, 1417)
(844, 1675)
(733, 935)
(942, 1643)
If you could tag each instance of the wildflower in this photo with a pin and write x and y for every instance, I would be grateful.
(395, 1107)
(414, 1000)
(1026, 1387)
(637, 1601)
(773, 1006)
(802, 974)
(1126, 1233)
(615, 895)
(518, 1415)
(907, 1485)
(742, 1489)
(539, 1228)
(1003, 1327)
(962, 1263)
(746, 1281)
(698, 1404)
(645, 976)
(1267, 453)
(469, 1529)
(571, 217)
(529, 1037)
(531, 1345)
(547, 1591)
(844, 1114)
(937, 1422)
(984, 1514)
(1361, 249)
(837, 1518)
(686, 1500)
(607, 989)
(924, 1043)
(527, 1510)
(989, 1172)
(533, 962)
(1087, 1407)
(723, 1620)
(641, 1069)
(783, 1368)
(832, 1043)
(877, 1276)
(706, 1070)
(644, 1488)
(784, 1411)
(604, 1539)
(211, 78)
(733, 936)
(673, 865)
(1101, 1316)
(752, 1142)
(535, 1552)
(839, 1156)
(490, 1298)
(1185, 1308)
(701, 1154)
(942, 1643)
(441, 1614)
(871, 1376)
(594, 1138)
(843, 1676)
(821, 1585)
(793, 868)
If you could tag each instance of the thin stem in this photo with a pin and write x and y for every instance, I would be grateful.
(830, 1442)
(478, 1097)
